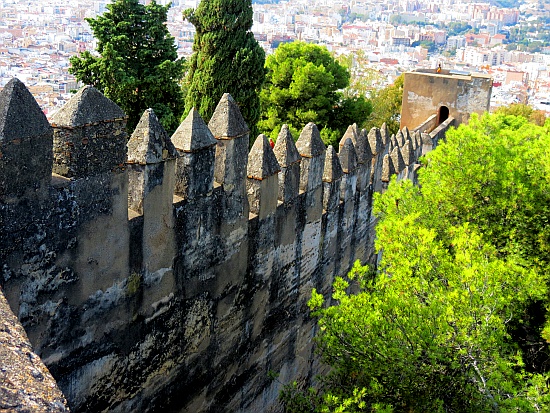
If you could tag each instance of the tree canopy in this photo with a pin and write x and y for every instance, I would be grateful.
(387, 106)
(538, 117)
(226, 59)
(450, 321)
(137, 66)
(304, 84)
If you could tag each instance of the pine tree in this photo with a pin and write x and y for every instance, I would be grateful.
(226, 59)
(138, 67)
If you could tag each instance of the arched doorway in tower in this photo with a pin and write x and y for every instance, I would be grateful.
(442, 114)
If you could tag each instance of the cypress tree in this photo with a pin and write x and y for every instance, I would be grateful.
(226, 59)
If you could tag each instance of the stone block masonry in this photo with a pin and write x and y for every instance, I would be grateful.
(156, 274)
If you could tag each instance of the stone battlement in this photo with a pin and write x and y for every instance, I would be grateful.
(157, 273)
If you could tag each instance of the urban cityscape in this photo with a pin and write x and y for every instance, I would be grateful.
(380, 40)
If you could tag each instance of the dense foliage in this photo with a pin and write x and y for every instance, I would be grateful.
(387, 106)
(453, 319)
(226, 59)
(304, 84)
(137, 66)
(538, 117)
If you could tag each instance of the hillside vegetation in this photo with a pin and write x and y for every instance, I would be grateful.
(454, 318)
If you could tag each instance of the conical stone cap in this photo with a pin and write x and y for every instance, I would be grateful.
(385, 133)
(285, 148)
(348, 157)
(351, 133)
(397, 159)
(20, 115)
(262, 162)
(87, 106)
(310, 144)
(227, 121)
(407, 153)
(375, 141)
(400, 138)
(150, 144)
(387, 168)
(193, 134)
(332, 170)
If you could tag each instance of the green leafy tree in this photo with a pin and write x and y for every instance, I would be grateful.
(446, 323)
(137, 66)
(386, 105)
(304, 84)
(520, 109)
(226, 59)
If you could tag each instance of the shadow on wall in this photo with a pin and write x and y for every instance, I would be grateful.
(156, 272)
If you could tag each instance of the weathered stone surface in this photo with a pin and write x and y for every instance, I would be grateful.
(289, 159)
(333, 169)
(426, 93)
(150, 143)
(351, 133)
(261, 160)
(384, 133)
(309, 144)
(89, 136)
(187, 305)
(285, 148)
(20, 115)
(25, 144)
(387, 168)
(397, 159)
(375, 141)
(193, 134)
(348, 157)
(26, 385)
(227, 121)
(407, 153)
(87, 106)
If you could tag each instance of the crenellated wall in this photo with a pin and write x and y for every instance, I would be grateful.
(172, 274)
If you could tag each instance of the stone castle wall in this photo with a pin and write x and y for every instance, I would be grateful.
(162, 273)
(459, 94)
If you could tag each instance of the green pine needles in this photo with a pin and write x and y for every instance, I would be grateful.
(137, 67)
(226, 59)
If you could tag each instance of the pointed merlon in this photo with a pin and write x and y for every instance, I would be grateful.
(406, 133)
(285, 148)
(227, 122)
(20, 115)
(397, 159)
(348, 157)
(407, 153)
(387, 168)
(193, 134)
(375, 141)
(150, 144)
(394, 143)
(351, 133)
(385, 133)
(418, 138)
(333, 169)
(87, 106)
(400, 138)
(262, 162)
(309, 144)
(362, 148)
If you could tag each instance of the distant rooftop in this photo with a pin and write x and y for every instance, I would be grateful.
(452, 73)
